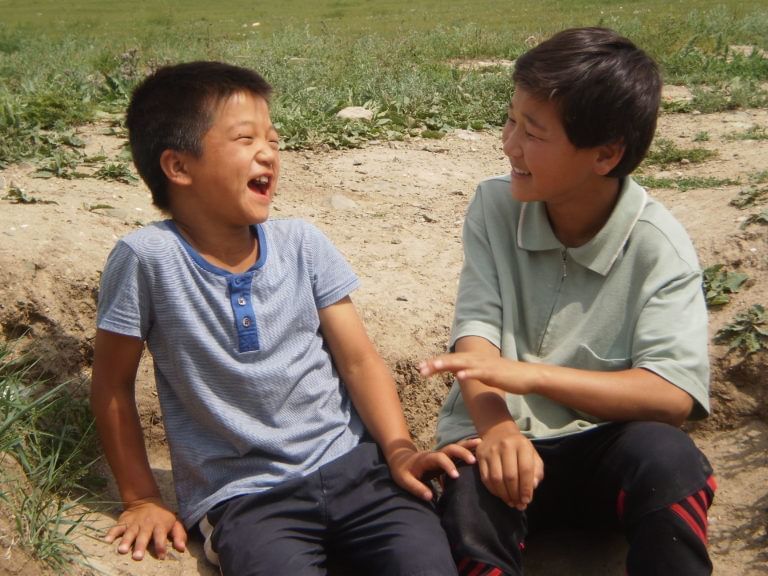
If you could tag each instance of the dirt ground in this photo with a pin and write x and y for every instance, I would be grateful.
(395, 210)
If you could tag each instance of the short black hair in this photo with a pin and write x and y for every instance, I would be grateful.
(174, 107)
(607, 89)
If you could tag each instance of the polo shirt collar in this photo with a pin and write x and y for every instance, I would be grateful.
(534, 232)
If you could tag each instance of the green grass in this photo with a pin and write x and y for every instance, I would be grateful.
(49, 432)
(684, 183)
(391, 56)
(664, 152)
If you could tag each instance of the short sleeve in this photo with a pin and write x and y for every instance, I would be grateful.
(478, 303)
(332, 277)
(124, 302)
(671, 338)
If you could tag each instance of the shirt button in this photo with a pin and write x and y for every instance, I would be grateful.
(241, 301)
(246, 322)
(237, 281)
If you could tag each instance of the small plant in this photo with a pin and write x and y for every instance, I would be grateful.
(665, 152)
(702, 136)
(760, 218)
(61, 164)
(116, 171)
(759, 177)
(18, 196)
(747, 332)
(719, 284)
(751, 196)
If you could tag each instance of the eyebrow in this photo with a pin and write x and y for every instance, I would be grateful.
(530, 119)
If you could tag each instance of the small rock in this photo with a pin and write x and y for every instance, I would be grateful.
(401, 299)
(357, 163)
(466, 135)
(354, 113)
(428, 218)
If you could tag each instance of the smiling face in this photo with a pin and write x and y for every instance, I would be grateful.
(546, 166)
(235, 178)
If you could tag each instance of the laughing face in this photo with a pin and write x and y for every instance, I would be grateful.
(545, 166)
(235, 178)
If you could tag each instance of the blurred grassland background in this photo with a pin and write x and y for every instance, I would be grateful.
(63, 62)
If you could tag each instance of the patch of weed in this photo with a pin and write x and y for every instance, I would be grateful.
(685, 183)
(754, 132)
(719, 284)
(19, 196)
(759, 218)
(665, 152)
(751, 196)
(748, 332)
(49, 431)
(702, 136)
(117, 172)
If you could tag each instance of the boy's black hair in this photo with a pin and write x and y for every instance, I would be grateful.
(174, 107)
(606, 88)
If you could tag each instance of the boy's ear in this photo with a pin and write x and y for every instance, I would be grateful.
(608, 156)
(174, 165)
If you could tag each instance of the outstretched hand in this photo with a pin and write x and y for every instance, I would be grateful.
(509, 375)
(147, 521)
(408, 467)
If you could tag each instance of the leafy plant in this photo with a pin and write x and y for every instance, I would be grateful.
(754, 132)
(747, 332)
(750, 197)
(116, 171)
(760, 218)
(18, 196)
(719, 284)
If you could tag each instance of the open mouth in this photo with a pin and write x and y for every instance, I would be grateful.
(259, 185)
(519, 172)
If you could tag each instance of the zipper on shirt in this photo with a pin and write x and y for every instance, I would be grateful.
(563, 276)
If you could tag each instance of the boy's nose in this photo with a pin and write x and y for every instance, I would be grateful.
(511, 146)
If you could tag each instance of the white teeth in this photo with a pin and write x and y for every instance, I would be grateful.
(519, 172)
(262, 180)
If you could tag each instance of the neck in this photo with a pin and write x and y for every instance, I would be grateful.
(233, 249)
(576, 223)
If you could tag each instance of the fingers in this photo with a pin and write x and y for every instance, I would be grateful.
(415, 486)
(444, 363)
(179, 537)
(460, 451)
(114, 532)
(139, 544)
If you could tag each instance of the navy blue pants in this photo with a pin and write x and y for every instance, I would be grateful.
(645, 478)
(349, 510)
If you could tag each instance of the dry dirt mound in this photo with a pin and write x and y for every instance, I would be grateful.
(395, 210)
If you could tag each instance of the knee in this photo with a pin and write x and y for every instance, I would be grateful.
(665, 466)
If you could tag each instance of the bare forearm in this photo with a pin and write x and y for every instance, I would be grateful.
(634, 394)
(374, 395)
(119, 427)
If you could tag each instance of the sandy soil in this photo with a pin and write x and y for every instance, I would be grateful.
(395, 210)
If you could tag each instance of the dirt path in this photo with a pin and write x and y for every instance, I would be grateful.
(395, 210)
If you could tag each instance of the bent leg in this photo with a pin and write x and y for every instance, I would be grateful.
(378, 528)
(486, 535)
(278, 532)
(666, 489)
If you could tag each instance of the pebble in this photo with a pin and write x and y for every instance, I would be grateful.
(341, 202)
(355, 113)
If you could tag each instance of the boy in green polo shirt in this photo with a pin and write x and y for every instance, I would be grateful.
(579, 339)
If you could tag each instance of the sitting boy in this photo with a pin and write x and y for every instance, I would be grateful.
(268, 383)
(580, 331)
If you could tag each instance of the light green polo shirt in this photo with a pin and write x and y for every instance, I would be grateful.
(630, 297)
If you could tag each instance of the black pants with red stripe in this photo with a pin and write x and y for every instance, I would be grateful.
(645, 478)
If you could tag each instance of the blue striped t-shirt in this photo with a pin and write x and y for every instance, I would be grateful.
(249, 393)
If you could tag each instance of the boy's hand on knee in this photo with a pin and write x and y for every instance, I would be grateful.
(408, 467)
(509, 465)
(147, 521)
